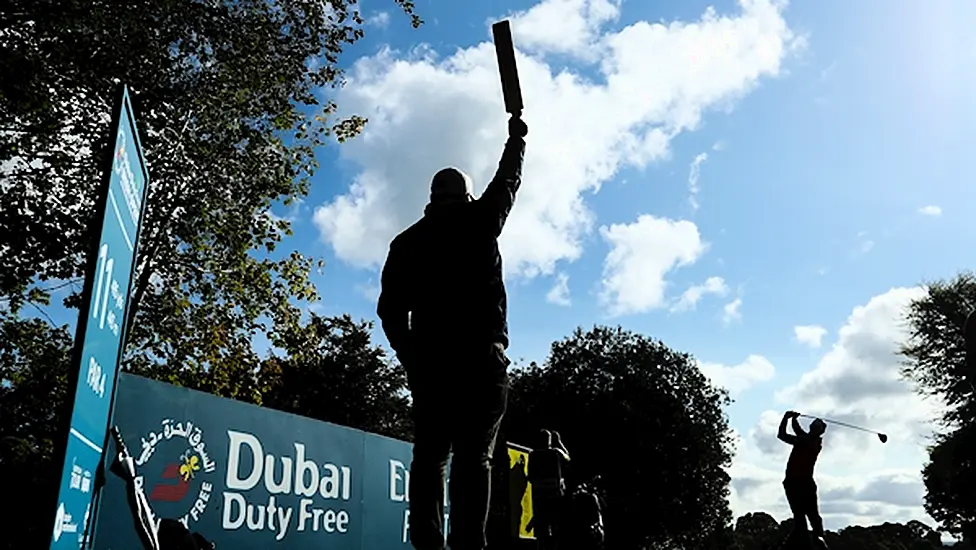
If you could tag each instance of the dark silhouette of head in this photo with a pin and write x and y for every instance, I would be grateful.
(451, 185)
(818, 427)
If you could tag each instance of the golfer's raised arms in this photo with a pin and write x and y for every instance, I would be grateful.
(782, 434)
(797, 428)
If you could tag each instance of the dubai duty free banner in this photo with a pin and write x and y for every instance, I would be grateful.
(247, 477)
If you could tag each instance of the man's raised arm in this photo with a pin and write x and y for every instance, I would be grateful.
(499, 196)
(782, 435)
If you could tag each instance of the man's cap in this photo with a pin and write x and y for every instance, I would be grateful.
(451, 183)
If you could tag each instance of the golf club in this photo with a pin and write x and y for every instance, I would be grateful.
(881, 436)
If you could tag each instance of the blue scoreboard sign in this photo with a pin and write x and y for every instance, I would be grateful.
(100, 335)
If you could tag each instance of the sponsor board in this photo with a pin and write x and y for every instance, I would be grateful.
(247, 477)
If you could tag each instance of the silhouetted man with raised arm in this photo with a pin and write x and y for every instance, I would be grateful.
(801, 489)
(444, 310)
(546, 463)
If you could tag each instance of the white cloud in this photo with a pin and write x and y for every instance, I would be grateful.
(738, 378)
(809, 335)
(730, 311)
(641, 254)
(379, 19)
(868, 493)
(582, 130)
(930, 210)
(571, 27)
(369, 290)
(857, 381)
(693, 174)
(864, 245)
(690, 298)
(559, 293)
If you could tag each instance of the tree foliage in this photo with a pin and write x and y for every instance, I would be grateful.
(935, 361)
(34, 362)
(934, 354)
(643, 417)
(759, 531)
(228, 100)
(950, 482)
(231, 102)
(331, 371)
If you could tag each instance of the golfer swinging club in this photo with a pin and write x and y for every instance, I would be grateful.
(801, 490)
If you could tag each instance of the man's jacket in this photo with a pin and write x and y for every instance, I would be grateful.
(442, 281)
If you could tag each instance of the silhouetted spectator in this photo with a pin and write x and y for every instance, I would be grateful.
(444, 310)
(546, 462)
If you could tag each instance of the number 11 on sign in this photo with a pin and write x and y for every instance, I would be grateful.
(102, 285)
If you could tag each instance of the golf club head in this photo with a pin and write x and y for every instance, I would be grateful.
(883, 438)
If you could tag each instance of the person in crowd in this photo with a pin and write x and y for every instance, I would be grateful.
(547, 460)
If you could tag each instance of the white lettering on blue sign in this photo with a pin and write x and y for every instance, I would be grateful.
(96, 377)
(298, 475)
(399, 482)
(127, 178)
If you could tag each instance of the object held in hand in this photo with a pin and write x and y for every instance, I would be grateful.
(882, 437)
(505, 51)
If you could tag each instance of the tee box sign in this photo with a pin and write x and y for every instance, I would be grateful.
(101, 326)
(252, 478)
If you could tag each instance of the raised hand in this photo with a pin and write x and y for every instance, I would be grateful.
(517, 127)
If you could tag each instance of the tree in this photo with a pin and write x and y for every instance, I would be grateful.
(935, 358)
(759, 531)
(34, 362)
(332, 372)
(950, 482)
(643, 417)
(226, 97)
(935, 361)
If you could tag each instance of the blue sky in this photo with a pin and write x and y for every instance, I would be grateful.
(858, 134)
(810, 199)
(835, 136)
